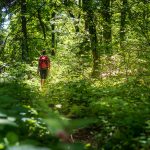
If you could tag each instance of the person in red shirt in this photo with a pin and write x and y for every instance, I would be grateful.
(43, 67)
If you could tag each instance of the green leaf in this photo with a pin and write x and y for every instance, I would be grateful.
(6, 120)
(12, 138)
(27, 147)
(55, 124)
(82, 123)
(2, 146)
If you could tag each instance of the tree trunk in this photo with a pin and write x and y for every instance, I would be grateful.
(24, 31)
(94, 43)
(107, 37)
(41, 24)
(80, 3)
(90, 25)
(123, 22)
(146, 14)
(53, 35)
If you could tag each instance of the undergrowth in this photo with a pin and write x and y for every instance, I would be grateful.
(113, 112)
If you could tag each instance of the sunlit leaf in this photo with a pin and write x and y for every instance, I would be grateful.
(27, 147)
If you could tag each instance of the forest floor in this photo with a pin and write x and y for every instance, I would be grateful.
(12, 95)
(109, 101)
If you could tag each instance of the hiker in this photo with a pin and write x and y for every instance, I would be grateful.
(43, 67)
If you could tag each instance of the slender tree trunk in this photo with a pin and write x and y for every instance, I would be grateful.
(90, 25)
(85, 6)
(53, 35)
(144, 68)
(107, 36)
(94, 43)
(80, 2)
(41, 24)
(24, 31)
(123, 22)
(146, 15)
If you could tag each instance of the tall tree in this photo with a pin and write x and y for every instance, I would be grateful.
(53, 35)
(24, 31)
(124, 9)
(90, 25)
(107, 33)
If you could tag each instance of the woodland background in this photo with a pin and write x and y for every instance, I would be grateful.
(98, 93)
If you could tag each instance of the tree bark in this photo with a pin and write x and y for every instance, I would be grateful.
(53, 35)
(94, 43)
(80, 2)
(107, 36)
(123, 22)
(24, 31)
(90, 26)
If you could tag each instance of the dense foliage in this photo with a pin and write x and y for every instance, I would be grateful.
(97, 94)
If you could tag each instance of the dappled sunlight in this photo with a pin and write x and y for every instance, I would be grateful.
(74, 75)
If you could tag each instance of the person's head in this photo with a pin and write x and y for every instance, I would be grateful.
(43, 52)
